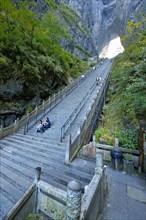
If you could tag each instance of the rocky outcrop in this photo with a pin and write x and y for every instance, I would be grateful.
(106, 19)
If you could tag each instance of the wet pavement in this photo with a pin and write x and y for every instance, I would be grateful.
(126, 196)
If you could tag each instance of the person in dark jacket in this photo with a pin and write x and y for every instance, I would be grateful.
(47, 123)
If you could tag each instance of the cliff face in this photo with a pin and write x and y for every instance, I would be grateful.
(106, 19)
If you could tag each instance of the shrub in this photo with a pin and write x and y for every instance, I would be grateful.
(127, 138)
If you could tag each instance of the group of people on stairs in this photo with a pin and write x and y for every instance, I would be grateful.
(41, 127)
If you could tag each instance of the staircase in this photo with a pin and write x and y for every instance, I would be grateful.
(21, 154)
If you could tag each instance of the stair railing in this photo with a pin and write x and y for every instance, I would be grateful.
(74, 114)
(43, 109)
(76, 142)
(72, 117)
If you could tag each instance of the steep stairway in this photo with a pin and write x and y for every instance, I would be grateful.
(21, 154)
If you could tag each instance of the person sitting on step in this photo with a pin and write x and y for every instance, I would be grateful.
(47, 123)
(40, 127)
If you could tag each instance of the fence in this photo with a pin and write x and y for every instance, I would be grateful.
(53, 203)
(76, 142)
(74, 114)
(29, 120)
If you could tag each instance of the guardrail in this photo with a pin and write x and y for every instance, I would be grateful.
(76, 142)
(71, 118)
(74, 114)
(30, 119)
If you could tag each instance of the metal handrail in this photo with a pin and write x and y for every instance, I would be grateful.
(74, 114)
(76, 141)
(71, 118)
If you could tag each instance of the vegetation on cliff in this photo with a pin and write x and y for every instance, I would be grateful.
(31, 52)
(127, 91)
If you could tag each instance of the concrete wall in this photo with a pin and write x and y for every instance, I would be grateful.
(93, 198)
(51, 201)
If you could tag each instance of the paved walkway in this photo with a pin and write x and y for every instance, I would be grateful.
(126, 199)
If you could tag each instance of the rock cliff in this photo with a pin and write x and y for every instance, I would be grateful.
(106, 19)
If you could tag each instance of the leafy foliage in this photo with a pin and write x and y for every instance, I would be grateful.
(127, 137)
(99, 133)
(30, 46)
(127, 92)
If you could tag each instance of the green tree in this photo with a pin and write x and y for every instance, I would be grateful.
(31, 50)
(127, 92)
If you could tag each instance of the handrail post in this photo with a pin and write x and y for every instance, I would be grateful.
(49, 103)
(17, 124)
(54, 98)
(25, 128)
(62, 93)
(38, 172)
(69, 121)
(36, 112)
(27, 124)
(61, 135)
(70, 140)
(63, 131)
(1, 131)
(14, 128)
(79, 137)
(43, 108)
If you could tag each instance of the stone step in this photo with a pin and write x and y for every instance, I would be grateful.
(50, 167)
(28, 154)
(10, 190)
(16, 180)
(28, 173)
(52, 136)
(39, 142)
(89, 159)
(29, 176)
(17, 168)
(21, 153)
(33, 153)
(27, 166)
(6, 202)
(2, 214)
(61, 178)
(38, 138)
(83, 165)
(49, 149)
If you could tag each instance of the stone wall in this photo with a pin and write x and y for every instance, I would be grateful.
(51, 202)
(93, 198)
(56, 204)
